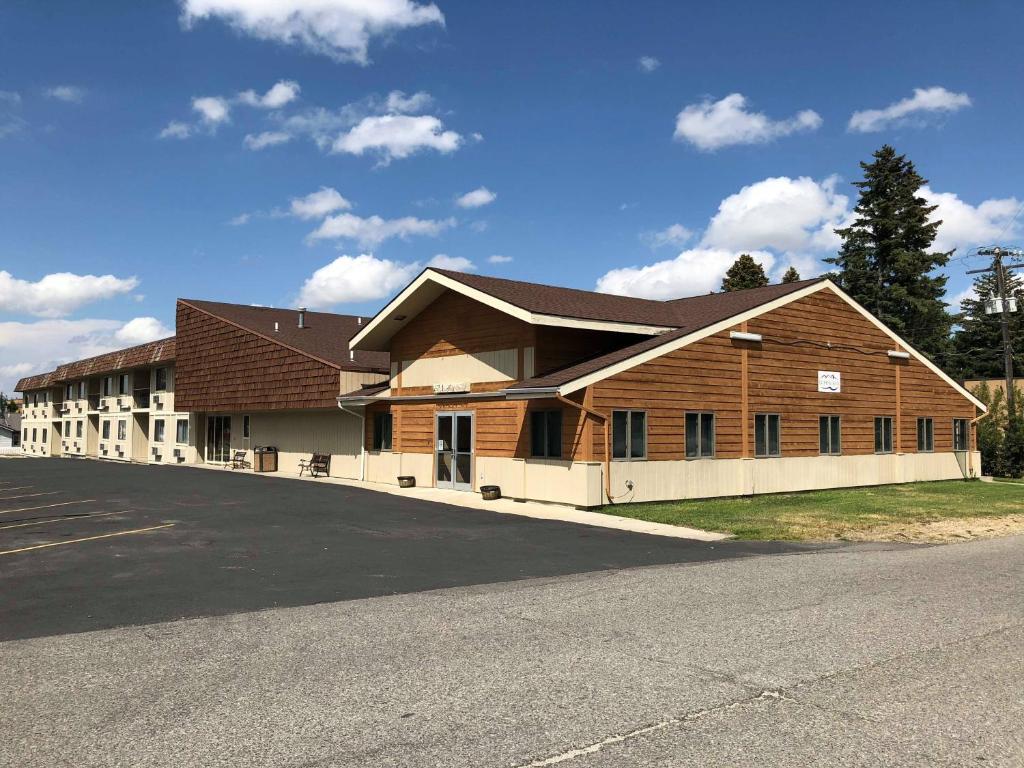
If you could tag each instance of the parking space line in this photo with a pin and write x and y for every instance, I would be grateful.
(87, 538)
(27, 495)
(46, 506)
(59, 519)
(19, 488)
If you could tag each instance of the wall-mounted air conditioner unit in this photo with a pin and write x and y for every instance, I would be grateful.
(177, 453)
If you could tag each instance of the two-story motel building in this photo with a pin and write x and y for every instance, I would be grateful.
(551, 393)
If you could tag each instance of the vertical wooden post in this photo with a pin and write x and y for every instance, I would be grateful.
(744, 398)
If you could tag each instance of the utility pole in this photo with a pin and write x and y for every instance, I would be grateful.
(1003, 304)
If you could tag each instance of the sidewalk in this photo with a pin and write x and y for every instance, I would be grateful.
(472, 500)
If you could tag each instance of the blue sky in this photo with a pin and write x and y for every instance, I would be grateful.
(633, 147)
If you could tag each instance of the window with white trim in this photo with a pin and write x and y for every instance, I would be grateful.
(925, 434)
(961, 435)
(830, 441)
(700, 435)
(629, 435)
(883, 434)
(767, 438)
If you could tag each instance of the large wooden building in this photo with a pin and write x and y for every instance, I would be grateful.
(574, 397)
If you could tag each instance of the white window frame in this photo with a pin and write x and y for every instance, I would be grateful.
(767, 436)
(629, 434)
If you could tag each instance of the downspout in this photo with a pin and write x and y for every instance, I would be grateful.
(604, 427)
(362, 439)
(974, 431)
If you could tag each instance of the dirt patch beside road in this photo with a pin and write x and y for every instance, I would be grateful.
(942, 531)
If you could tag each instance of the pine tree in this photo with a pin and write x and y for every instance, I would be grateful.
(791, 276)
(885, 262)
(744, 273)
(978, 344)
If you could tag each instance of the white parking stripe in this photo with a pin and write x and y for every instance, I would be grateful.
(28, 495)
(19, 488)
(87, 538)
(59, 519)
(45, 506)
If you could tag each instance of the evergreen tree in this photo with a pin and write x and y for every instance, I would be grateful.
(885, 262)
(791, 276)
(744, 273)
(978, 344)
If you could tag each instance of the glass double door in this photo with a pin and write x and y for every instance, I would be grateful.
(455, 451)
(218, 438)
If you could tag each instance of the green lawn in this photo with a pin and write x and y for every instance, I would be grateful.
(833, 513)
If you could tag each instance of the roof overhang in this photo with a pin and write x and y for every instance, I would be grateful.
(426, 288)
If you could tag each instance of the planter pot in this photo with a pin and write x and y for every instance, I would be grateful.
(490, 492)
(406, 481)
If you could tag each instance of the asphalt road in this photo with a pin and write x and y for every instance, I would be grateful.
(842, 657)
(848, 658)
(185, 542)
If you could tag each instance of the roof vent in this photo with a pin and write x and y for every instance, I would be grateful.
(277, 327)
(302, 317)
(351, 355)
(359, 321)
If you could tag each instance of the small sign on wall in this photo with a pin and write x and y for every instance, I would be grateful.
(451, 388)
(829, 381)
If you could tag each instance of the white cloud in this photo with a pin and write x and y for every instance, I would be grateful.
(478, 198)
(213, 110)
(240, 220)
(318, 204)
(355, 278)
(140, 330)
(375, 230)
(780, 213)
(398, 103)
(11, 120)
(925, 101)
(176, 130)
(964, 225)
(60, 293)
(711, 125)
(281, 93)
(265, 139)
(28, 348)
(957, 299)
(454, 263)
(69, 93)
(648, 63)
(499, 259)
(340, 29)
(397, 137)
(692, 272)
(674, 234)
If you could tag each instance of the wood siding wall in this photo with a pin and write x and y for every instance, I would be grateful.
(222, 368)
(781, 377)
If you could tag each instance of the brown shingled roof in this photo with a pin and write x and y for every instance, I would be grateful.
(325, 336)
(692, 314)
(39, 381)
(160, 351)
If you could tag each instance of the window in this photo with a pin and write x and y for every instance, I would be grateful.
(700, 435)
(67, 429)
(829, 441)
(106, 430)
(961, 441)
(160, 377)
(925, 435)
(122, 429)
(181, 434)
(766, 435)
(34, 435)
(158, 431)
(245, 427)
(78, 428)
(69, 392)
(883, 434)
(44, 435)
(122, 384)
(629, 434)
(546, 434)
(382, 426)
(108, 386)
(81, 390)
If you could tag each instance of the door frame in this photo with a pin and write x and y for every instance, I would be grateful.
(453, 415)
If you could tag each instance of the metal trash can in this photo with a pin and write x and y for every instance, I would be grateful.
(265, 458)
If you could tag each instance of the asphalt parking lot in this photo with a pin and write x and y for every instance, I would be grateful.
(88, 545)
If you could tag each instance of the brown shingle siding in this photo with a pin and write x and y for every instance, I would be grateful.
(151, 353)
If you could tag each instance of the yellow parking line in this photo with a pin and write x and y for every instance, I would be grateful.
(27, 495)
(59, 519)
(46, 506)
(87, 538)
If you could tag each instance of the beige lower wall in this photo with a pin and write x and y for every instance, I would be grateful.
(297, 435)
(664, 480)
(562, 482)
(387, 467)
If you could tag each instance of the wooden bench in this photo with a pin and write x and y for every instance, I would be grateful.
(318, 464)
(238, 460)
